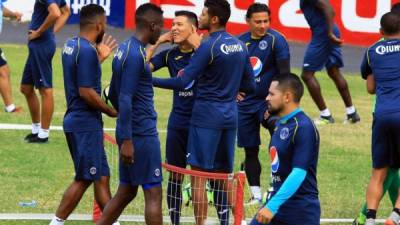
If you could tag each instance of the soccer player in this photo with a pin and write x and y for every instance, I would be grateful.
(136, 133)
(48, 17)
(83, 125)
(294, 149)
(175, 59)
(269, 54)
(392, 180)
(324, 50)
(221, 68)
(5, 83)
(381, 70)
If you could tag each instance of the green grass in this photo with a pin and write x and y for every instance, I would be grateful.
(42, 172)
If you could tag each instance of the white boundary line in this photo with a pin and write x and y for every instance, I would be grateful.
(10, 126)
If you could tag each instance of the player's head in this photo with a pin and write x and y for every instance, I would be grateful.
(93, 17)
(395, 8)
(215, 13)
(390, 24)
(285, 90)
(258, 19)
(149, 21)
(184, 23)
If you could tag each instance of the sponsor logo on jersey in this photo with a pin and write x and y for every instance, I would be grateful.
(257, 65)
(227, 49)
(181, 73)
(273, 153)
(382, 49)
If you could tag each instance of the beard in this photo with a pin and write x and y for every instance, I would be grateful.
(274, 110)
(99, 38)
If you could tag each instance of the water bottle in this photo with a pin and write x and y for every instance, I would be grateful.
(32, 204)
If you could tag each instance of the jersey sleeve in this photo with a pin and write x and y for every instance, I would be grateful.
(86, 62)
(159, 60)
(282, 54)
(132, 68)
(365, 66)
(305, 146)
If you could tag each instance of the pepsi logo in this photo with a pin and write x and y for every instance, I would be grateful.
(181, 73)
(257, 65)
(273, 154)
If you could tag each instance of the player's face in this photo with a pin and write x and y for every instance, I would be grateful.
(204, 19)
(259, 24)
(181, 29)
(156, 28)
(275, 99)
(101, 29)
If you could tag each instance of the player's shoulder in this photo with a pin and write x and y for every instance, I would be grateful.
(245, 36)
(303, 121)
(276, 34)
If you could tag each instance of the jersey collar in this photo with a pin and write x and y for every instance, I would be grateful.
(287, 117)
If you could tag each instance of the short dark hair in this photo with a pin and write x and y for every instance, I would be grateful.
(220, 9)
(290, 82)
(390, 23)
(395, 8)
(192, 17)
(256, 8)
(89, 14)
(146, 13)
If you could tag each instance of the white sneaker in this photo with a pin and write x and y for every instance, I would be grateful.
(370, 222)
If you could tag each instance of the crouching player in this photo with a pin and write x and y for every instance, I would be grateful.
(294, 151)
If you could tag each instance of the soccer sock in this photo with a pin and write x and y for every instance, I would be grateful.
(252, 167)
(43, 133)
(350, 110)
(256, 191)
(10, 108)
(35, 128)
(221, 204)
(326, 113)
(371, 213)
(174, 200)
(57, 221)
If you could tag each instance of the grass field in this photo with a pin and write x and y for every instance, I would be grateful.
(42, 172)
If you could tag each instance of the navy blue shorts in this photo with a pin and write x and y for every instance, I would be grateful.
(87, 152)
(146, 168)
(249, 121)
(211, 149)
(38, 70)
(386, 141)
(322, 53)
(3, 60)
(176, 147)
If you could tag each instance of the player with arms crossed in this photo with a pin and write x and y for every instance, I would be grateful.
(294, 150)
(131, 93)
(324, 50)
(175, 59)
(83, 125)
(48, 17)
(269, 55)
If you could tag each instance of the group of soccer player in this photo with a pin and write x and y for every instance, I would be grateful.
(225, 87)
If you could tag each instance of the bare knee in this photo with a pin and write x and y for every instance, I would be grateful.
(27, 90)
(46, 92)
(307, 75)
(4, 72)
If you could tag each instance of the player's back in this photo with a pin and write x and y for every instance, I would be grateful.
(75, 61)
(383, 58)
(143, 115)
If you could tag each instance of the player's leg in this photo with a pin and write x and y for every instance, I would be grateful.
(5, 85)
(153, 202)
(199, 197)
(102, 191)
(394, 186)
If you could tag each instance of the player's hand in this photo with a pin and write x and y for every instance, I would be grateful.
(112, 113)
(33, 34)
(106, 46)
(335, 39)
(240, 96)
(195, 39)
(264, 215)
(166, 37)
(18, 16)
(127, 152)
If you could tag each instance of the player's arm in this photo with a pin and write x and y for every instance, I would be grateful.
(60, 22)
(13, 15)
(247, 85)
(366, 74)
(199, 61)
(131, 70)
(282, 55)
(329, 13)
(87, 60)
(54, 14)
(158, 61)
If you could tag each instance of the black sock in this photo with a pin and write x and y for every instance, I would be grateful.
(221, 204)
(174, 200)
(396, 210)
(371, 214)
(252, 166)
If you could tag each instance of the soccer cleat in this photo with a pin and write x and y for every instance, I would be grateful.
(394, 219)
(30, 136)
(254, 201)
(17, 109)
(324, 120)
(37, 139)
(360, 220)
(370, 221)
(352, 118)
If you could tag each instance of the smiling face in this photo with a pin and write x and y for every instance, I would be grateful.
(259, 23)
(181, 29)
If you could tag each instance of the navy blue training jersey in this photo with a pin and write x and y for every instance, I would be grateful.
(295, 143)
(81, 68)
(264, 54)
(316, 19)
(132, 91)
(39, 15)
(382, 60)
(175, 60)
